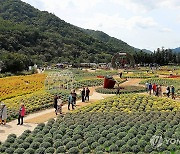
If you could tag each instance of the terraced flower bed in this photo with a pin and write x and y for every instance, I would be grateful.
(140, 75)
(121, 124)
(123, 90)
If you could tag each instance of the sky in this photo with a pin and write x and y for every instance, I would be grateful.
(144, 24)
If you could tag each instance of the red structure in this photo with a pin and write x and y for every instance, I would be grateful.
(109, 82)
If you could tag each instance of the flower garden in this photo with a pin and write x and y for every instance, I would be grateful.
(120, 124)
(123, 123)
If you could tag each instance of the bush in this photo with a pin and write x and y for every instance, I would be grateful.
(50, 150)
(9, 150)
(24, 145)
(71, 144)
(73, 150)
(85, 150)
(90, 140)
(120, 143)
(113, 148)
(102, 140)
(60, 149)
(15, 145)
(29, 139)
(30, 151)
(82, 145)
(10, 139)
(35, 145)
(41, 150)
(107, 143)
(66, 141)
(19, 151)
(49, 140)
(45, 145)
(125, 148)
(136, 148)
(148, 148)
(57, 144)
(79, 141)
(38, 139)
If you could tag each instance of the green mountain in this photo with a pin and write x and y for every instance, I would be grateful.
(44, 37)
(111, 41)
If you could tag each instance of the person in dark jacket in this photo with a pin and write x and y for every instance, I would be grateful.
(83, 94)
(74, 95)
(87, 94)
(70, 101)
(173, 92)
(150, 88)
(168, 91)
(55, 103)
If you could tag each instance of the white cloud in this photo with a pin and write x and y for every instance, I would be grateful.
(111, 22)
(142, 6)
(165, 29)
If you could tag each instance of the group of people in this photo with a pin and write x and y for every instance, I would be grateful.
(157, 90)
(58, 103)
(3, 114)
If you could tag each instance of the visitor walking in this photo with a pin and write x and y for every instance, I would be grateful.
(154, 87)
(70, 102)
(22, 112)
(120, 75)
(74, 95)
(55, 103)
(147, 86)
(160, 91)
(118, 90)
(168, 91)
(157, 90)
(3, 114)
(83, 94)
(150, 88)
(173, 92)
(59, 105)
(87, 94)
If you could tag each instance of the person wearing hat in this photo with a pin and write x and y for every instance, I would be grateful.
(22, 112)
(3, 114)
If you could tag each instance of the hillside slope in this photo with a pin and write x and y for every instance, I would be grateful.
(46, 38)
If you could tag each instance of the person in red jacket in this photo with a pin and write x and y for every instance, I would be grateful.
(22, 112)
(154, 88)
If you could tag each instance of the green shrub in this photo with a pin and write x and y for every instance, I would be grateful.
(35, 145)
(107, 143)
(24, 145)
(94, 145)
(10, 139)
(19, 151)
(73, 150)
(79, 141)
(57, 144)
(41, 150)
(9, 150)
(50, 150)
(30, 151)
(29, 139)
(39, 140)
(45, 145)
(148, 148)
(90, 140)
(49, 140)
(6, 144)
(58, 136)
(83, 144)
(86, 150)
(102, 140)
(120, 143)
(136, 148)
(60, 149)
(71, 144)
(15, 145)
(66, 140)
(125, 148)
(113, 148)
